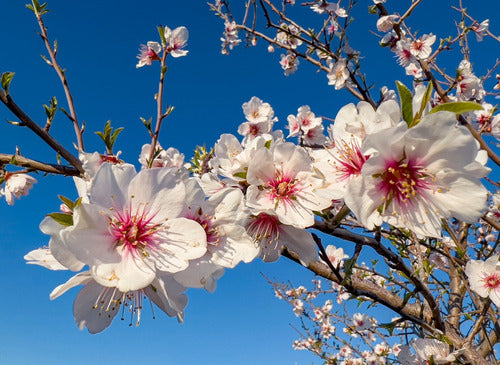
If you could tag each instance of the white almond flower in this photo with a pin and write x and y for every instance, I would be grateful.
(303, 121)
(385, 23)
(343, 161)
(289, 63)
(425, 348)
(362, 321)
(16, 185)
(484, 278)
(130, 229)
(336, 255)
(272, 236)
(177, 40)
(149, 53)
(481, 29)
(421, 47)
(283, 179)
(170, 157)
(223, 218)
(415, 177)
(338, 74)
(260, 119)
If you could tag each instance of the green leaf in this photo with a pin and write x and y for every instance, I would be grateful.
(6, 79)
(68, 202)
(109, 136)
(161, 32)
(348, 269)
(425, 100)
(62, 218)
(66, 113)
(37, 8)
(458, 107)
(406, 98)
(241, 175)
(373, 9)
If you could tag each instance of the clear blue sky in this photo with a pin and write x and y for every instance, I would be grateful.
(242, 322)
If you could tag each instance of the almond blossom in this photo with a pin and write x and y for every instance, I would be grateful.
(338, 74)
(421, 47)
(481, 29)
(176, 41)
(223, 217)
(342, 162)
(385, 23)
(16, 185)
(149, 53)
(289, 63)
(130, 229)
(415, 177)
(283, 180)
(260, 119)
(484, 278)
(272, 236)
(304, 121)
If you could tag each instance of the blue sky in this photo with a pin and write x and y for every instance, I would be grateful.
(242, 322)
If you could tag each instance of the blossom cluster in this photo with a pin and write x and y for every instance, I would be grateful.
(159, 231)
(410, 169)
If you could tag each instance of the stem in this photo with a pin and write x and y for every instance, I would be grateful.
(159, 102)
(64, 81)
(28, 122)
(34, 165)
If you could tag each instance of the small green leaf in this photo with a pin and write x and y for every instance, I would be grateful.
(241, 175)
(425, 100)
(109, 136)
(62, 219)
(66, 113)
(373, 9)
(348, 269)
(458, 107)
(406, 98)
(161, 32)
(68, 202)
(6, 79)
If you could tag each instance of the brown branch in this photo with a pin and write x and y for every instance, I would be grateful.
(47, 138)
(34, 165)
(62, 77)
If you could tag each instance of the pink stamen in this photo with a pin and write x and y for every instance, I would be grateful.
(350, 160)
(492, 281)
(283, 187)
(134, 231)
(403, 182)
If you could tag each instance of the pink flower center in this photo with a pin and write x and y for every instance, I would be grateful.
(283, 187)
(403, 181)
(264, 227)
(417, 45)
(134, 231)
(350, 160)
(492, 281)
(206, 221)
(254, 130)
